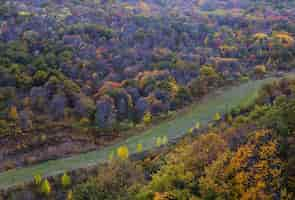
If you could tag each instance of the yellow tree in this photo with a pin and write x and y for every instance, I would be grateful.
(147, 118)
(158, 141)
(139, 148)
(254, 171)
(217, 117)
(65, 180)
(46, 188)
(13, 114)
(198, 125)
(260, 70)
(165, 140)
(123, 152)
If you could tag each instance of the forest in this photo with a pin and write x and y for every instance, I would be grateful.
(81, 76)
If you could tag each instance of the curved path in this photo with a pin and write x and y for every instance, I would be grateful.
(203, 112)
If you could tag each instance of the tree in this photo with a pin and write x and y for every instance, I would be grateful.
(111, 155)
(13, 114)
(183, 166)
(164, 140)
(123, 152)
(139, 148)
(37, 179)
(217, 117)
(208, 72)
(46, 188)
(158, 141)
(40, 77)
(147, 118)
(254, 171)
(260, 70)
(285, 38)
(198, 125)
(116, 180)
(260, 37)
(65, 180)
(70, 195)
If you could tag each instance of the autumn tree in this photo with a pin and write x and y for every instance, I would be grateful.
(253, 172)
(147, 118)
(46, 188)
(123, 152)
(116, 180)
(13, 113)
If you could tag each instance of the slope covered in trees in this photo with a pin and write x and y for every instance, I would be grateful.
(248, 155)
(78, 75)
(75, 74)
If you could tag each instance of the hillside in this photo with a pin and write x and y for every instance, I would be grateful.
(247, 154)
(80, 76)
(75, 75)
